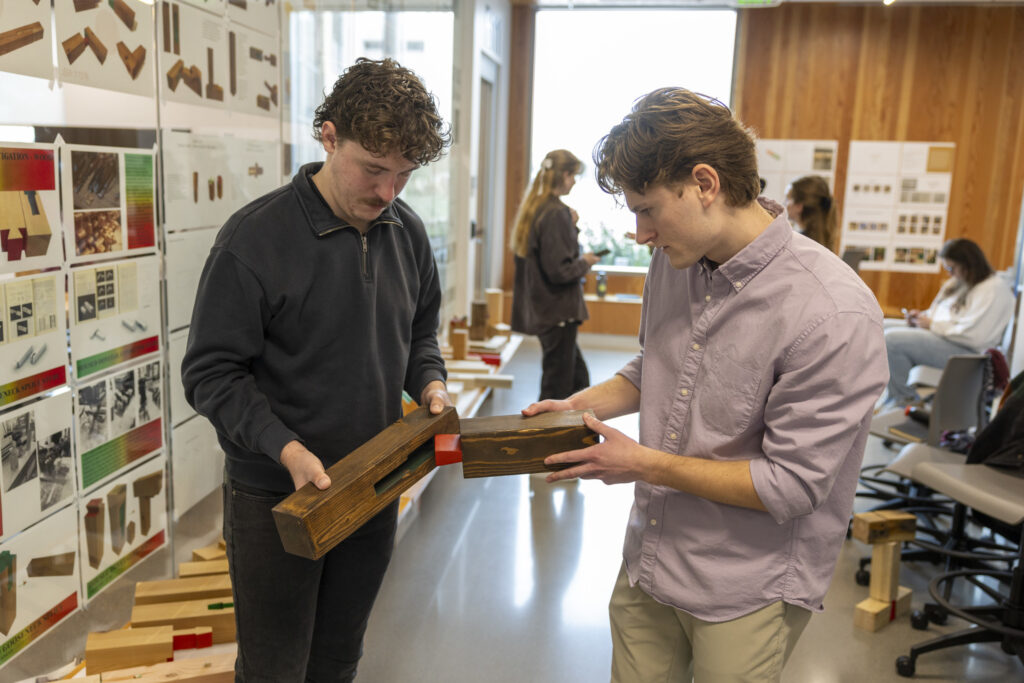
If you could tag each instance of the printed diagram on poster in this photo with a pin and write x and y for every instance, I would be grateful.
(115, 313)
(25, 40)
(780, 162)
(122, 523)
(207, 178)
(193, 55)
(40, 580)
(896, 203)
(30, 235)
(253, 72)
(32, 336)
(261, 15)
(36, 468)
(106, 44)
(118, 420)
(108, 202)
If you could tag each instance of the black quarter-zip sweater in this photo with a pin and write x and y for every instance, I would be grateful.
(305, 329)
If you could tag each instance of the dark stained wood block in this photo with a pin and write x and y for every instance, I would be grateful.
(98, 48)
(20, 37)
(74, 47)
(52, 565)
(311, 522)
(513, 444)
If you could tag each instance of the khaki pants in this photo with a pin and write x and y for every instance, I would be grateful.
(652, 642)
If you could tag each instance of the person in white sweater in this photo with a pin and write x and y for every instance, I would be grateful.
(968, 315)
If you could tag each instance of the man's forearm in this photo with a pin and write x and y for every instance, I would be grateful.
(611, 398)
(721, 481)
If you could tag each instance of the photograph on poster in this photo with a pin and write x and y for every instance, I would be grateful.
(96, 180)
(149, 392)
(56, 469)
(39, 581)
(193, 55)
(25, 40)
(18, 439)
(781, 161)
(33, 336)
(30, 237)
(124, 403)
(253, 72)
(92, 415)
(90, 32)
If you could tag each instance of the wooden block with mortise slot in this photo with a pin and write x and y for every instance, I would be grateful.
(52, 565)
(74, 47)
(96, 45)
(311, 521)
(192, 588)
(128, 647)
(513, 444)
(218, 668)
(202, 568)
(217, 614)
(174, 74)
(883, 526)
(20, 37)
(144, 488)
(133, 60)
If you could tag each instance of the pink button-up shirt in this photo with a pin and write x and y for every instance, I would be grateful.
(776, 357)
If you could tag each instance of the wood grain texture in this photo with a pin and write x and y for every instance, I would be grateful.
(188, 614)
(191, 588)
(128, 647)
(912, 73)
(211, 669)
(311, 522)
(202, 568)
(513, 444)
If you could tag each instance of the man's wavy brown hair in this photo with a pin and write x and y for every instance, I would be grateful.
(668, 132)
(385, 108)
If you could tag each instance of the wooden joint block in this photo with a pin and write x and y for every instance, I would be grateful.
(97, 46)
(176, 590)
(52, 565)
(74, 47)
(311, 521)
(216, 614)
(202, 568)
(513, 444)
(128, 647)
(174, 74)
(133, 60)
(885, 571)
(20, 37)
(883, 526)
(124, 13)
(871, 614)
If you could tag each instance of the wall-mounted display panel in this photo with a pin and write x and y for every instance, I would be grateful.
(25, 39)
(262, 15)
(115, 313)
(37, 473)
(122, 523)
(108, 202)
(896, 203)
(106, 44)
(30, 234)
(198, 467)
(118, 421)
(177, 342)
(32, 336)
(193, 55)
(254, 72)
(40, 579)
(780, 162)
(186, 256)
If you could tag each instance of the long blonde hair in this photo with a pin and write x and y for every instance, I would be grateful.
(550, 176)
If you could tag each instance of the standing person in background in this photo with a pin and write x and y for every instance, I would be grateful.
(760, 363)
(810, 206)
(318, 305)
(548, 296)
(968, 315)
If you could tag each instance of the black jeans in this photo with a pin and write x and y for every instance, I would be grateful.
(298, 619)
(564, 370)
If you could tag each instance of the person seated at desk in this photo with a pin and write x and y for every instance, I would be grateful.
(968, 315)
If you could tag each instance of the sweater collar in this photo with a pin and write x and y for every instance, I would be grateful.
(320, 217)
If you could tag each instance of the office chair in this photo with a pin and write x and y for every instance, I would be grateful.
(999, 496)
(852, 256)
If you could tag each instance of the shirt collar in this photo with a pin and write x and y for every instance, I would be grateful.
(751, 259)
(318, 212)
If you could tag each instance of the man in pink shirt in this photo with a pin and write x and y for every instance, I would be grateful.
(762, 357)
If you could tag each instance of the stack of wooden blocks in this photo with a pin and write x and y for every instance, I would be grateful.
(194, 610)
(884, 531)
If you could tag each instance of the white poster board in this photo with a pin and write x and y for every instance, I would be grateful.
(39, 581)
(180, 409)
(262, 15)
(108, 202)
(198, 466)
(106, 44)
(780, 162)
(37, 471)
(254, 68)
(193, 55)
(32, 336)
(26, 39)
(186, 256)
(122, 523)
(30, 232)
(896, 203)
(115, 313)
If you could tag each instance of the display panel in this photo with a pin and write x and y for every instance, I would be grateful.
(32, 336)
(30, 234)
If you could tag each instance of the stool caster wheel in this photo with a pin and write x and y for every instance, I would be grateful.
(919, 620)
(936, 614)
(862, 577)
(905, 666)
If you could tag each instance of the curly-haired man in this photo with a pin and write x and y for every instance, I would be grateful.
(761, 360)
(318, 305)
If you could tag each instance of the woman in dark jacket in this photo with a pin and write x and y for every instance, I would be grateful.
(548, 296)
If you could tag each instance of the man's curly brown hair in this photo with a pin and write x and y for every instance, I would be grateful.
(670, 131)
(385, 108)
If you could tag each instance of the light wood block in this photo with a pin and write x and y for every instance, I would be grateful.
(311, 522)
(202, 568)
(188, 614)
(128, 647)
(191, 588)
(474, 380)
(460, 344)
(513, 444)
(871, 614)
(20, 37)
(52, 565)
(210, 552)
(885, 571)
(212, 669)
(883, 526)
(468, 366)
(37, 227)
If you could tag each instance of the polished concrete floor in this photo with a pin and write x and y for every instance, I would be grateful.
(507, 580)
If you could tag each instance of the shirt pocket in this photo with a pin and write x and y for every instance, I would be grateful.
(728, 398)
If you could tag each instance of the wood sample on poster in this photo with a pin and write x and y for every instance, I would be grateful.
(192, 54)
(25, 39)
(52, 565)
(29, 208)
(126, 25)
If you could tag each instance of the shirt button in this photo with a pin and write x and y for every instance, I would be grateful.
(672, 435)
(654, 522)
(696, 347)
(738, 285)
(707, 297)
(684, 392)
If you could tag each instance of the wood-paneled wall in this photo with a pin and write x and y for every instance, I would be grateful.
(913, 73)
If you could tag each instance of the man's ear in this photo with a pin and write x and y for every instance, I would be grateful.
(329, 137)
(708, 183)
